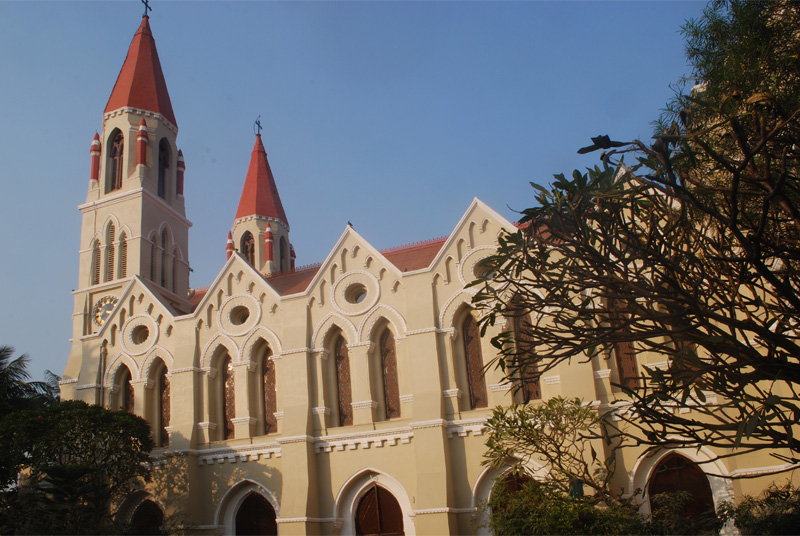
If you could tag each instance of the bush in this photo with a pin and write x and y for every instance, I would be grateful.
(776, 511)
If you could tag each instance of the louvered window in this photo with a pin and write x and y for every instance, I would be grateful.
(228, 398)
(164, 258)
(248, 248)
(344, 398)
(526, 366)
(164, 407)
(96, 263)
(110, 253)
(391, 390)
(270, 395)
(123, 256)
(153, 259)
(115, 162)
(474, 363)
(163, 168)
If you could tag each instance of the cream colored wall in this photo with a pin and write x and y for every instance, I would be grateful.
(430, 457)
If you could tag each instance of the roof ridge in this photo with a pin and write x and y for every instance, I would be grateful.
(414, 244)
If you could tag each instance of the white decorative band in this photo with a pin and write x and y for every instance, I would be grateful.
(306, 520)
(295, 439)
(406, 398)
(452, 393)
(206, 425)
(433, 423)
(420, 331)
(278, 415)
(602, 374)
(88, 386)
(65, 382)
(661, 365)
(498, 387)
(552, 380)
(364, 404)
(321, 410)
(243, 420)
(296, 351)
(445, 510)
(186, 369)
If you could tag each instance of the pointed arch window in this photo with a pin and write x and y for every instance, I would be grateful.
(163, 168)
(174, 269)
(474, 363)
(228, 408)
(530, 388)
(248, 248)
(96, 263)
(123, 256)
(115, 161)
(147, 518)
(153, 257)
(270, 393)
(343, 395)
(676, 473)
(126, 390)
(283, 252)
(163, 407)
(624, 352)
(391, 389)
(110, 252)
(256, 516)
(164, 258)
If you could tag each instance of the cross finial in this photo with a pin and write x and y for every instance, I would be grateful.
(146, 7)
(256, 125)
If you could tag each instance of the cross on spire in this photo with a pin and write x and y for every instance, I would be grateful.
(146, 7)
(256, 125)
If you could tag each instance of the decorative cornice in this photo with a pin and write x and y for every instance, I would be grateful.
(321, 410)
(464, 427)
(425, 511)
(363, 440)
(306, 520)
(88, 386)
(295, 439)
(405, 399)
(64, 381)
(500, 387)
(602, 374)
(244, 453)
(206, 425)
(364, 404)
(243, 420)
(552, 380)
(433, 423)
(278, 415)
(452, 393)
(186, 369)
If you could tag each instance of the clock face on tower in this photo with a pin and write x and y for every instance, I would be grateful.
(102, 309)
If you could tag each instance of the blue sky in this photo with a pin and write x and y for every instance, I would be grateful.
(391, 115)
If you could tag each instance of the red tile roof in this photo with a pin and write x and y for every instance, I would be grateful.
(260, 194)
(141, 82)
(414, 256)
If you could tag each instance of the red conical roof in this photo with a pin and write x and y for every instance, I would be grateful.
(141, 83)
(260, 195)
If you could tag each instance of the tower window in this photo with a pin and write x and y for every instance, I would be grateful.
(344, 397)
(164, 258)
(163, 168)
(248, 248)
(110, 253)
(268, 384)
(96, 263)
(123, 256)
(474, 361)
(115, 161)
(283, 251)
(391, 391)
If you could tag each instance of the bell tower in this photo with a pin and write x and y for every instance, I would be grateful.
(134, 218)
(260, 230)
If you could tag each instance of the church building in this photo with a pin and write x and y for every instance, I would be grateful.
(347, 397)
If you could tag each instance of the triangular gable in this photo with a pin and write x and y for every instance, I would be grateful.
(136, 285)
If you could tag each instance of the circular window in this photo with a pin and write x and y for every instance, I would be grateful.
(355, 293)
(139, 334)
(239, 315)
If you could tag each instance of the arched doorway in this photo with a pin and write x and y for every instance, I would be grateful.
(379, 514)
(255, 516)
(677, 473)
(147, 519)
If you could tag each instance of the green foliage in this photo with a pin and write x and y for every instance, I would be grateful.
(776, 511)
(539, 509)
(560, 434)
(668, 516)
(16, 390)
(691, 254)
(63, 467)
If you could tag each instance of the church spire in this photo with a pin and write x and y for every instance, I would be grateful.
(260, 194)
(141, 82)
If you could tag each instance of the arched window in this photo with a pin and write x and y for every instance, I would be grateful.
(474, 363)
(256, 516)
(270, 395)
(283, 252)
(116, 150)
(147, 519)
(624, 352)
(163, 407)
(530, 389)
(126, 396)
(248, 248)
(343, 395)
(164, 258)
(227, 402)
(153, 257)
(175, 258)
(391, 389)
(110, 252)
(379, 513)
(676, 473)
(122, 271)
(163, 167)
(96, 263)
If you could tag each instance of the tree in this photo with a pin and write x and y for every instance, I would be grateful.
(775, 511)
(687, 253)
(63, 468)
(16, 391)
